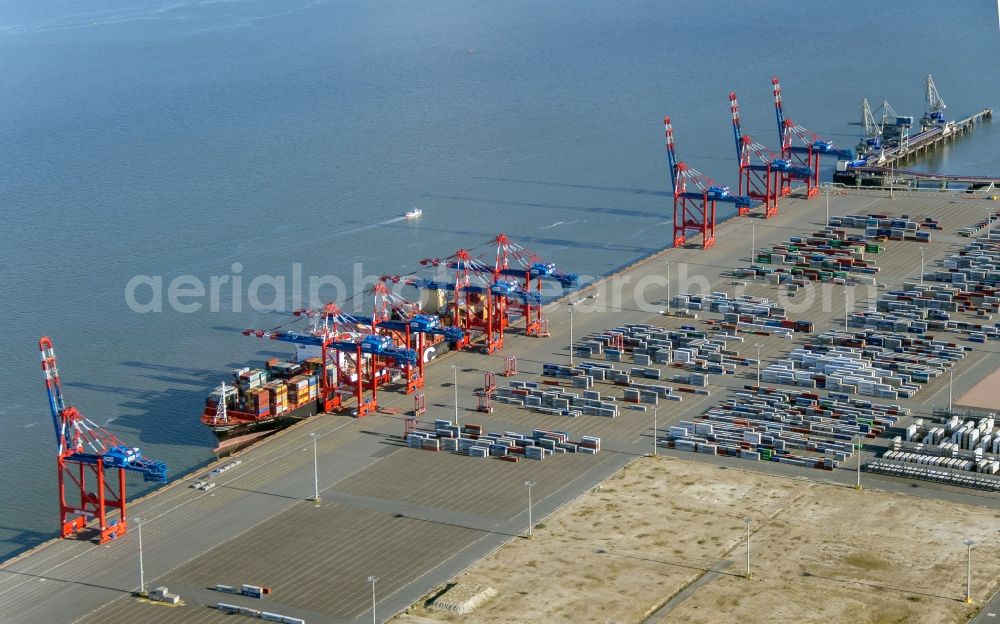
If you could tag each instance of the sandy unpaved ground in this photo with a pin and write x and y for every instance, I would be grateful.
(821, 553)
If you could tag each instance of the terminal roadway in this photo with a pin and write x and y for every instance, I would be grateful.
(415, 519)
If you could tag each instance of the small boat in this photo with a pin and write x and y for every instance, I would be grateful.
(413, 214)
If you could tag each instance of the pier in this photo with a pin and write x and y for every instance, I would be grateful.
(919, 143)
(881, 170)
(904, 178)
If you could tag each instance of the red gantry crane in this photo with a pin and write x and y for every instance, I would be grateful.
(407, 325)
(513, 260)
(694, 210)
(355, 346)
(85, 448)
(805, 155)
(484, 297)
(478, 302)
(761, 181)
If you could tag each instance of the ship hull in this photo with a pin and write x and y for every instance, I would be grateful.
(242, 423)
(240, 427)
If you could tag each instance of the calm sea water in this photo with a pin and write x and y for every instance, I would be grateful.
(166, 138)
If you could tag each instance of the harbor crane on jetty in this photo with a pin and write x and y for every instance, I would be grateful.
(935, 107)
(85, 448)
(694, 210)
(513, 260)
(891, 131)
(354, 337)
(871, 143)
(760, 181)
(807, 154)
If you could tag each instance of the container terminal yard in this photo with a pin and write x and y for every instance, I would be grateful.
(844, 337)
(414, 519)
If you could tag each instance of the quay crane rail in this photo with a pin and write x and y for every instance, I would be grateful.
(807, 154)
(694, 210)
(760, 181)
(84, 447)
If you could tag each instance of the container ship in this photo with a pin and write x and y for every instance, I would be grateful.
(282, 393)
(264, 399)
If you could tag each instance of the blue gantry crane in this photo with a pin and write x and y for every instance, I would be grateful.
(515, 261)
(479, 296)
(807, 154)
(760, 180)
(366, 351)
(354, 336)
(85, 448)
(694, 210)
(935, 107)
(403, 319)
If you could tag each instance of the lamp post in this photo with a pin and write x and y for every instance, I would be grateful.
(748, 520)
(827, 205)
(655, 452)
(951, 381)
(968, 570)
(529, 484)
(892, 176)
(668, 285)
(373, 580)
(848, 293)
(857, 445)
(315, 437)
(571, 306)
(753, 240)
(142, 576)
(921, 266)
(758, 364)
(454, 367)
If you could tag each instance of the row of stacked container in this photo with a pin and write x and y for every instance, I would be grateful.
(745, 313)
(982, 465)
(921, 308)
(257, 613)
(686, 347)
(973, 230)
(935, 474)
(553, 400)
(972, 276)
(829, 255)
(474, 441)
(883, 226)
(965, 435)
(950, 443)
(779, 425)
(870, 363)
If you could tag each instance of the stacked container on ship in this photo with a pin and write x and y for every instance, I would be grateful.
(263, 399)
